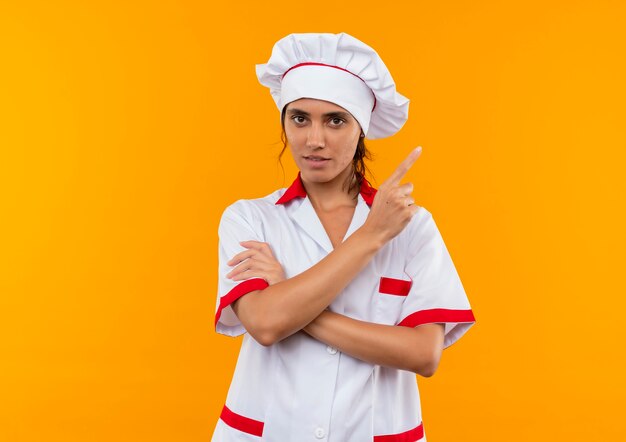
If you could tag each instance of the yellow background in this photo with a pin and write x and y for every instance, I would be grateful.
(127, 127)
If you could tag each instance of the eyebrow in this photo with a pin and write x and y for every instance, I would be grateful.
(341, 114)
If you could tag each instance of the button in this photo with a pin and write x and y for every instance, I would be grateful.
(331, 350)
(319, 431)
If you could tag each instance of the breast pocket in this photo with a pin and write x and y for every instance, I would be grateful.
(392, 293)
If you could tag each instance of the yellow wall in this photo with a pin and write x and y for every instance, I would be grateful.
(126, 129)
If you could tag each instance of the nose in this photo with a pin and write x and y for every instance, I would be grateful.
(315, 136)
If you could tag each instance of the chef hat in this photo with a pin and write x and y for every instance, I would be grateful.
(340, 69)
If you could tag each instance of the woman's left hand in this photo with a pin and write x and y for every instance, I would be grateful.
(257, 261)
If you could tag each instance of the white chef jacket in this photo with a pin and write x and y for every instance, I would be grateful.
(301, 390)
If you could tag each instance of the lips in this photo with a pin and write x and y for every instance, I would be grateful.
(316, 161)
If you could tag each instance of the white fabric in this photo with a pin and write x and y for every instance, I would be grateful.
(329, 84)
(298, 386)
(346, 52)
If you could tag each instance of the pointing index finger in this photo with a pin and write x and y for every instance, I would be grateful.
(404, 166)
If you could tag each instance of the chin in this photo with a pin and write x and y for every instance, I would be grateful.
(317, 176)
(320, 176)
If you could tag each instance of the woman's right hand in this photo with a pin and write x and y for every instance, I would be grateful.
(393, 206)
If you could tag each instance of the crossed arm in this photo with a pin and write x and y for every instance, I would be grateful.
(413, 349)
(287, 306)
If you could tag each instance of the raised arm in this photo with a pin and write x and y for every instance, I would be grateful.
(287, 306)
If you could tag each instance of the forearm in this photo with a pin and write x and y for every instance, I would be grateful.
(413, 349)
(287, 306)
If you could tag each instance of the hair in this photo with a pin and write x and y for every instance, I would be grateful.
(360, 171)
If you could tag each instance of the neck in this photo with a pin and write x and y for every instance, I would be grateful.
(332, 194)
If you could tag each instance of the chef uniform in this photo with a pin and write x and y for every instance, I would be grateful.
(300, 389)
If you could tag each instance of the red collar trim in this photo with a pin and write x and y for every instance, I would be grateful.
(296, 190)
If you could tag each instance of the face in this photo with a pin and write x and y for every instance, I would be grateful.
(323, 138)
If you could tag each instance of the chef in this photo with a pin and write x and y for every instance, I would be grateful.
(343, 292)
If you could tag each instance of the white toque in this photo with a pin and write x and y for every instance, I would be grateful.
(340, 69)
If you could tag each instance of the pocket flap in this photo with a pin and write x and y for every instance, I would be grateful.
(392, 286)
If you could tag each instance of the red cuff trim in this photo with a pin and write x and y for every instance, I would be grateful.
(392, 286)
(408, 436)
(241, 423)
(437, 315)
(237, 292)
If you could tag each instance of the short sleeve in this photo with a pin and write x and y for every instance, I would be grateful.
(436, 294)
(235, 226)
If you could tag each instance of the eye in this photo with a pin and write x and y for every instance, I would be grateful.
(336, 121)
(298, 119)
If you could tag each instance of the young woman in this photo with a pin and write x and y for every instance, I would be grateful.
(344, 292)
